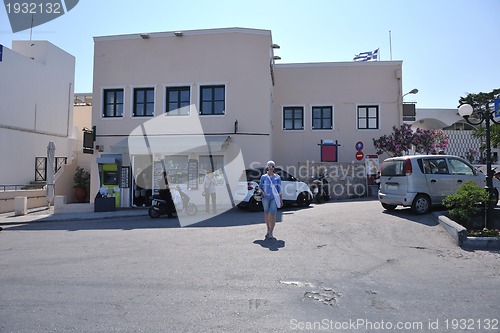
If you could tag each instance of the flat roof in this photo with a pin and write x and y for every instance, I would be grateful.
(185, 33)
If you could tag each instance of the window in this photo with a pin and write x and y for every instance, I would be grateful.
(322, 117)
(392, 168)
(460, 168)
(368, 117)
(293, 118)
(112, 103)
(433, 166)
(177, 168)
(208, 163)
(212, 100)
(144, 102)
(177, 99)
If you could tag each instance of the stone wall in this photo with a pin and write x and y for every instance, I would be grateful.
(36, 198)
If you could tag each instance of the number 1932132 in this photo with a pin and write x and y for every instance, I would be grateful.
(471, 324)
(33, 8)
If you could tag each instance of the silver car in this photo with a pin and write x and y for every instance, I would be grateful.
(422, 181)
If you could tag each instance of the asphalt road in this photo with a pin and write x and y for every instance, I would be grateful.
(337, 267)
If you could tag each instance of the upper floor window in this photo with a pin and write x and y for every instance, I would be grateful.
(212, 100)
(177, 99)
(322, 117)
(368, 117)
(112, 103)
(144, 102)
(293, 118)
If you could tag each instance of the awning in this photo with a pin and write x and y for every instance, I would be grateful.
(170, 144)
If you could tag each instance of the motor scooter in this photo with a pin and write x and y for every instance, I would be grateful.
(320, 190)
(160, 205)
(189, 207)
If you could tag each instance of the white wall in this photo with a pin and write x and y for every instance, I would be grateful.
(238, 58)
(36, 108)
(343, 86)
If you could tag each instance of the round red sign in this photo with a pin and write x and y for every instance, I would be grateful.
(359, 155)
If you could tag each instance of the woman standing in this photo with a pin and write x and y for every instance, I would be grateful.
(270, 185)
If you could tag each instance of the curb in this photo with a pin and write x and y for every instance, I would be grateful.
(459, 234)
(26, 219)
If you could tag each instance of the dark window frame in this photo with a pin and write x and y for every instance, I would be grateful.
(180, 103)
(322, 109)
(368, 117)
(143, 106)
(206, 90)
(114, 104)
(294, 111)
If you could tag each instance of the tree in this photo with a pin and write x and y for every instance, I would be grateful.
(403, 139)
(399, 142)
(479, 102)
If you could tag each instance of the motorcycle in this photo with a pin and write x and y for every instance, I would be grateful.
(181, 201)
(320, 190)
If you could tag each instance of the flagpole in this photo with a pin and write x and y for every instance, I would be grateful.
(390, 43)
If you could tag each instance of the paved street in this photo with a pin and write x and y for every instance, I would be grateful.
(337, 267)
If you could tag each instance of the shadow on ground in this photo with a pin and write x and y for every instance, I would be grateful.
(271, 244)
(232, 218)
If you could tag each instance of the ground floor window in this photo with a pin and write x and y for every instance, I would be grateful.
(177, 168)
(208, 163)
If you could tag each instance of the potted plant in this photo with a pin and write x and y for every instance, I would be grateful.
(82, 184)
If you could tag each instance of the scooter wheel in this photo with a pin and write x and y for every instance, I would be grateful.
(191, 209)
(153, 213)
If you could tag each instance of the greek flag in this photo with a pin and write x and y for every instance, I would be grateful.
(365, 56)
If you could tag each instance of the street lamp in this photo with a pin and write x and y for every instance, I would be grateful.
(476, 118)
(413, 91)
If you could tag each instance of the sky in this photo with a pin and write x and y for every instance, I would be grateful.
(449, 48)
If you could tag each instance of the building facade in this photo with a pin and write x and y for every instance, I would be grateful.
(192, 102)
(37, 82)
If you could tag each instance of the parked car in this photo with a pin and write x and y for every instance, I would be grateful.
(422, 181)
(294, 191)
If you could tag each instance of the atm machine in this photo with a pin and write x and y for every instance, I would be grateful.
(109, 177)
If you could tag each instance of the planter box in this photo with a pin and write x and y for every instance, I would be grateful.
(104, 205)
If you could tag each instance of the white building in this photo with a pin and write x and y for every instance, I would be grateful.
(239, 96)
(458, 131)
(37, 81)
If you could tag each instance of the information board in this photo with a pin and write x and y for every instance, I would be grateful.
(193, 174)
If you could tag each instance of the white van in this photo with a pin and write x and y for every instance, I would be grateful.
(421, 181)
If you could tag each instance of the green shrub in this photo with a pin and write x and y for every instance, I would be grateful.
(466, 203)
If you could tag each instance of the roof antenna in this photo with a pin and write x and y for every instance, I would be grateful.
(31, 28)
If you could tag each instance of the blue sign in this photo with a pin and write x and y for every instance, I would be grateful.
(359, 145)
(497, 103)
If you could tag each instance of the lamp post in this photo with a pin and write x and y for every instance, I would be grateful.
(476, 118)
(413, 91)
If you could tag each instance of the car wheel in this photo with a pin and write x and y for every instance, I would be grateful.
(153, 213)
(255, 206)
(389, 207)
(421, 204)
(303, 199)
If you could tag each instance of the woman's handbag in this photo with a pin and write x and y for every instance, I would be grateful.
(276, 195)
